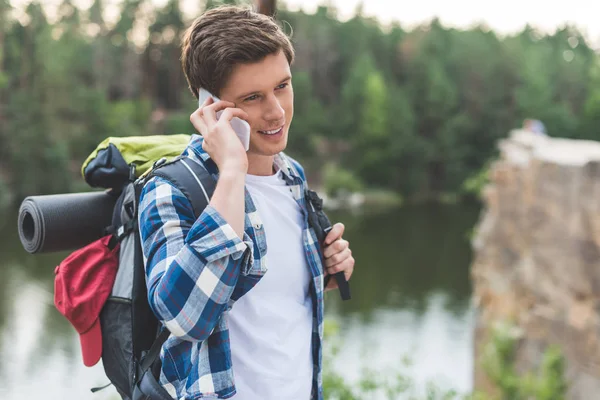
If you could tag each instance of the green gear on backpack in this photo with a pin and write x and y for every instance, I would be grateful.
(109, 165)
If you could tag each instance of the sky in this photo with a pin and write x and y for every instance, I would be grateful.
(505, 17)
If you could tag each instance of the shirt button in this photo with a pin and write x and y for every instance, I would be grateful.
(257, 226)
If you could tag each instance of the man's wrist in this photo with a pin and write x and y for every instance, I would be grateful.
(233, 173)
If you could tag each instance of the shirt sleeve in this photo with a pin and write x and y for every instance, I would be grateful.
(192, 265)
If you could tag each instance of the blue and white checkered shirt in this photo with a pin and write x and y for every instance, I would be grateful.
(196, 269)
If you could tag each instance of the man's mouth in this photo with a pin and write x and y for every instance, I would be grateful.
(272, 131)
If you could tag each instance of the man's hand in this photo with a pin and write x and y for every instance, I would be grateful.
(227, 151)
(220, 140)
(337, 254)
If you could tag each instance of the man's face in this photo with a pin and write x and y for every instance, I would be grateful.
(264, 91)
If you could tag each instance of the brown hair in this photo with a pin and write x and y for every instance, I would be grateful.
(224, 37)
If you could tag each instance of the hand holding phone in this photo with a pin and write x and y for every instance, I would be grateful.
(240, 127)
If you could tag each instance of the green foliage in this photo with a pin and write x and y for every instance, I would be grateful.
(178, 123)
(3, 80)
(311, 122)
(338, 181)
(372, 384)
(548, 383)
(474, 184)
(5, 199)
(128, 118)
(335, 387)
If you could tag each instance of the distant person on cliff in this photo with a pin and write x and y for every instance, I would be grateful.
(535, 126)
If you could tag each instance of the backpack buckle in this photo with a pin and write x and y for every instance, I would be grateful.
(131, 172)
(159, 162)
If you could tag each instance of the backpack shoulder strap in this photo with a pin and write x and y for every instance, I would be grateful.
(198, 185)
(191, 178)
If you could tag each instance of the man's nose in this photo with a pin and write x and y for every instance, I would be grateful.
(273, 110)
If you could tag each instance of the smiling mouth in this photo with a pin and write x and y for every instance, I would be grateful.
(272, 131)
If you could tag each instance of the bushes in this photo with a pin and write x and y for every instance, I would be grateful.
(337, 181)
(498, 361)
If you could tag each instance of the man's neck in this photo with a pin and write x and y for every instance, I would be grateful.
(261, 165)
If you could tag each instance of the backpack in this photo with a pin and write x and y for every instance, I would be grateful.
(132, 337)
(131, 334)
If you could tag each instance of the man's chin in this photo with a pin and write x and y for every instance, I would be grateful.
(266, 152)
(267, 147)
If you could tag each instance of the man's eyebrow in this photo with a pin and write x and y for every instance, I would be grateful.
(287, 78)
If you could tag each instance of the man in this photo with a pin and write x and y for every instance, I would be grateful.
(241, 287)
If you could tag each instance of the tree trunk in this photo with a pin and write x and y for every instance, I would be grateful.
(266, 7)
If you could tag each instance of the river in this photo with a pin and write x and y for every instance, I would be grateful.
(411, 297)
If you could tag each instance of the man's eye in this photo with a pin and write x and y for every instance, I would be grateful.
(283, 85)
(250, 98)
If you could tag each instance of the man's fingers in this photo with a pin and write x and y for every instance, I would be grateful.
(198, 122)
(336, 247)
(230, 113)
(208, 101)
(347, 266)
(336, 232)
(332, 284)
(210, 112)
(196, 115)
(200, 110)
(338, 257)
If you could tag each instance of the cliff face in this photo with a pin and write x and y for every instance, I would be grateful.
(537, 255)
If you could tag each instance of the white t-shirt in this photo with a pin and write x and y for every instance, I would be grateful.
(270, 327)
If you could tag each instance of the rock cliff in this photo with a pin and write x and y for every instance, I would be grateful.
(537, 255)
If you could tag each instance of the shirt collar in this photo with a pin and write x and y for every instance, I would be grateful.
(281, 161)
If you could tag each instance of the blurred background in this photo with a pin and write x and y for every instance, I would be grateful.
(398, 110)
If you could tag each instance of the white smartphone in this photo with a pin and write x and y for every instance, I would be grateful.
(241, 127)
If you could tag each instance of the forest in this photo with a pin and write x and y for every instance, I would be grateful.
(414, 112)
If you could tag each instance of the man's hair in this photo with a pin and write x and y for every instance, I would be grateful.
(226, 36)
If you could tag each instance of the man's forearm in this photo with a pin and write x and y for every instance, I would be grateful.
(228, 199)
(192, 265)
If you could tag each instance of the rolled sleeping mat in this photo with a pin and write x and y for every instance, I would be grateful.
(62, 222)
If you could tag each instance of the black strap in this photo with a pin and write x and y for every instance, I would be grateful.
(99, 388)
(189, 176)
(343, 284)
(121, 231)
(154, 351)
(322, 226)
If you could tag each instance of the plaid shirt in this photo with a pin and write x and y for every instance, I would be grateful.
(196, 269)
